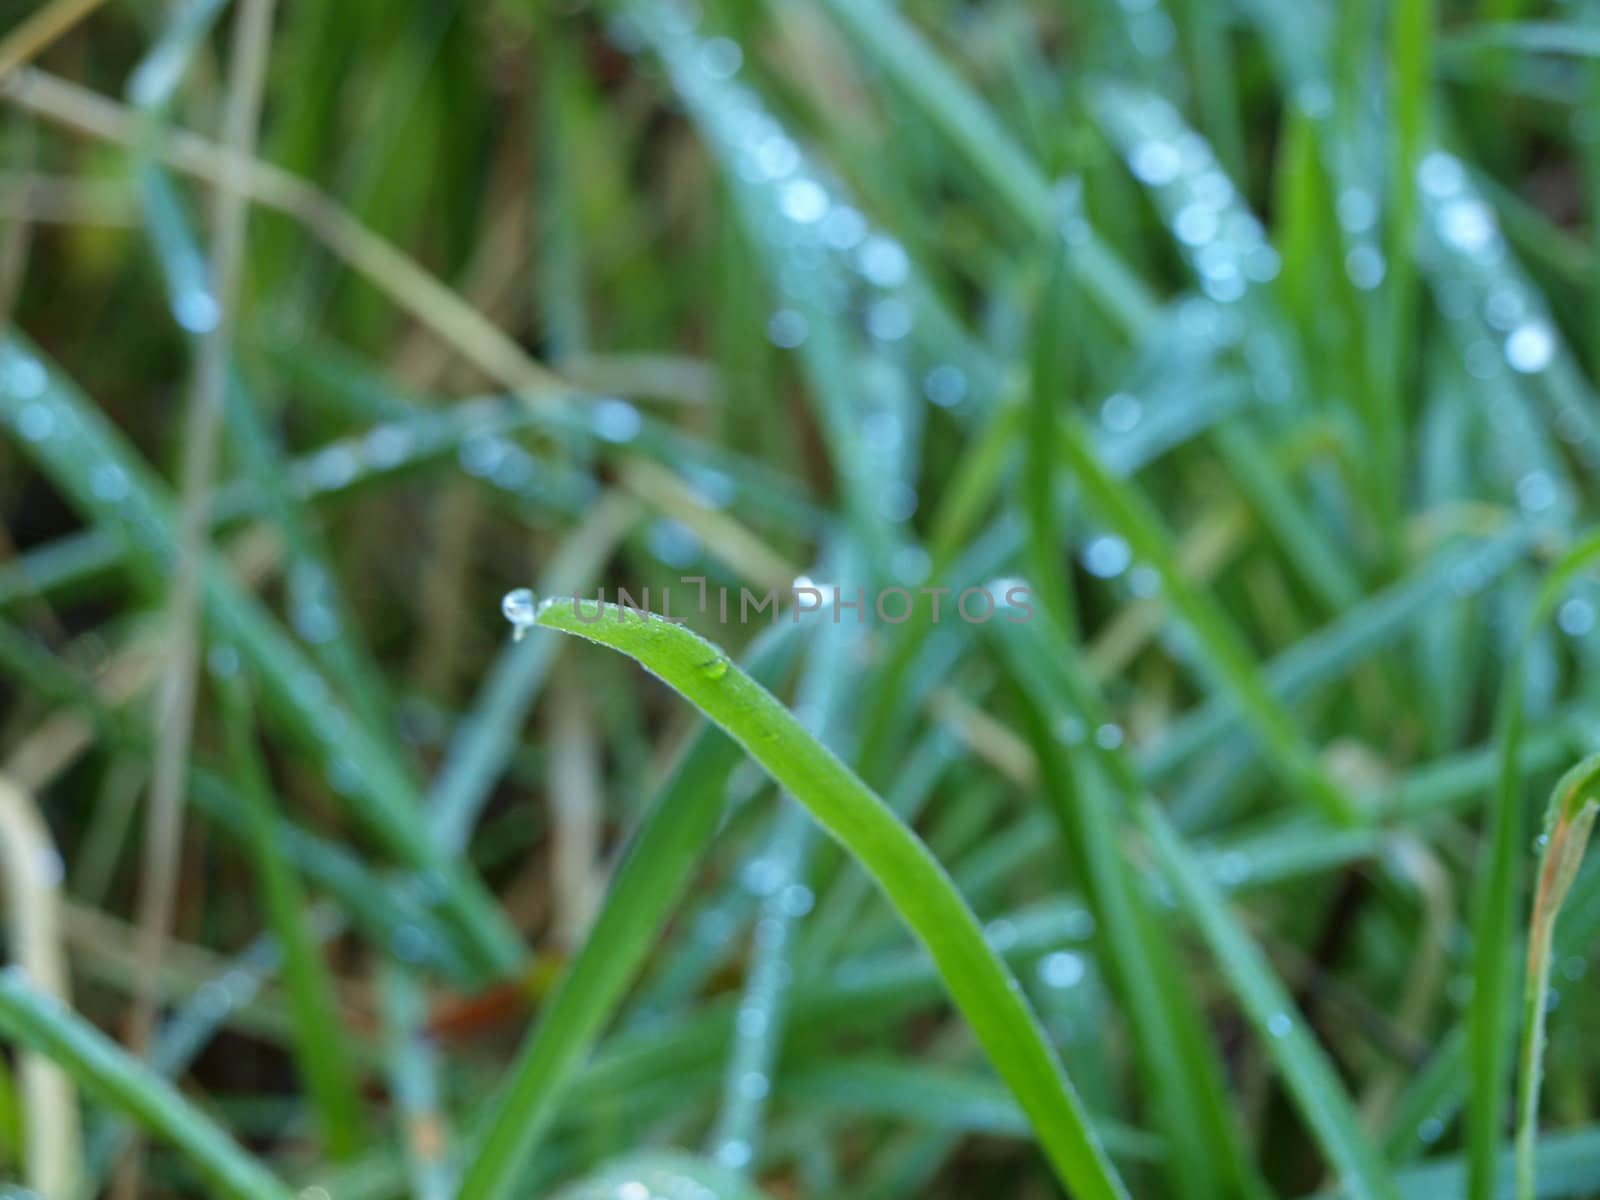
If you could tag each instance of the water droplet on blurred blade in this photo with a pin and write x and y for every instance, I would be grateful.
(1530, 347)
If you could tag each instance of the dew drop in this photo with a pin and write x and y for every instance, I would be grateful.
(1233, 868)
(1107, 556)
(1001, 933)
(945, 385)
(25, 377)
(1144, 582)
(1441, 174)
(1121, 413)
(36, 423)
(520, 607)
(796, 900)
(777, 157)
(1468, 225)
(1195, 224)
(1358, 210)
(753, 1085)
(616, 420)
(1530, 347)
(721, 58)
(733, 1154)
(1279, 1024)
(1364, 266)
(1575, 617)
(786, 329)
(714, 669)
(889, 320)
(804, 201)
(843, 227)
(386, 446)
(109, 483)
(1536, 492)
(196, 311)
(883, 261)
(1062, 969)
(1155, 162)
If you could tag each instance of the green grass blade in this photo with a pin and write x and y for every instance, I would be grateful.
(1126, 511)
(1182, 1074)
(1568, 822)
(320, 1044)
(102, 1067)
(982, 988)
(1491, 1015)
(653, 873)
(1311, 1078)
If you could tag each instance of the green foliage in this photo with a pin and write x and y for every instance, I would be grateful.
(1123, 470)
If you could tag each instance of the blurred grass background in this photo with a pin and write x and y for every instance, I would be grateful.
(1257, 339)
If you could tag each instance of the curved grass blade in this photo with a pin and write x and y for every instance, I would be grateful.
(1568, 822)
(982, 987)
(653, 873)
(1490, 1018)
(104, 1068)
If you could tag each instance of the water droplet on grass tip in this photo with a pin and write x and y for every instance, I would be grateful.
(520, 607)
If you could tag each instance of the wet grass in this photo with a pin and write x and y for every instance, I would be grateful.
(1122, 475)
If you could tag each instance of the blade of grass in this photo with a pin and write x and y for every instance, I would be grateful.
(1181, 1070)
(1490, 1016)
(101, 1067)
(42, 27)
(33, 901)
(1049, 386)
(106, 481)
(320, 1045)
(414, 1085)
(1568, 822)
(202, 427)
(1127, 511)
(652, 874)
(1311, 1078)
(952, 106)
(981, 986)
